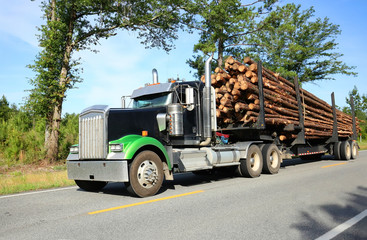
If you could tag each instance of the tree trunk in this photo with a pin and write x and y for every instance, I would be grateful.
(220, 52)
(53, 143)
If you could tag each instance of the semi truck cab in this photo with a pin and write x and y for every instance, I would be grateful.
(170, 128)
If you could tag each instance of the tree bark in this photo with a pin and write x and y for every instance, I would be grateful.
(53, 143)
(220, 52)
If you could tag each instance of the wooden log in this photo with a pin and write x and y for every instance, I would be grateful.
(219, 70)
(236, 92)
(251, 96)
(281, 106)
(242, 68)
(282, 138)
(241, 106)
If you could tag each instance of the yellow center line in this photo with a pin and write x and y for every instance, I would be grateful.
(145, 202)
(337, 164)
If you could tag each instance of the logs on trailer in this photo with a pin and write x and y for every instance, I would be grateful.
(237, 99)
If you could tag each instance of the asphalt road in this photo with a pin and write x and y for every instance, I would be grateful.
(306, 200)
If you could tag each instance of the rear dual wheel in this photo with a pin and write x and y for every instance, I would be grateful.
(336, 150)
(354, 149)
(253, 164)
(345, 150)
(271, 158)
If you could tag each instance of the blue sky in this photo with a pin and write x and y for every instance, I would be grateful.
(123, 64)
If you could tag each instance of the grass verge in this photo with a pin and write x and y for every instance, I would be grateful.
(362, 145)
(22, 181)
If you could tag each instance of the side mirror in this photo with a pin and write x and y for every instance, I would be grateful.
(190, 100)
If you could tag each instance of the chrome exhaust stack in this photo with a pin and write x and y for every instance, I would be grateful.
(207, 104)
(155, 76)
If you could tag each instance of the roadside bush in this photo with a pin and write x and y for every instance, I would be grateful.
(22, 137)
(69, 134)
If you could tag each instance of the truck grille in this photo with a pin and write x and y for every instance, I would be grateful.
(92, 136)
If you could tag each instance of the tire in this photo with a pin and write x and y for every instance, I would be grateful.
(91, 186)
(336, 150)
(146, 175)
(253, 164)
(271, 159)
(354, 150)
(345, 150)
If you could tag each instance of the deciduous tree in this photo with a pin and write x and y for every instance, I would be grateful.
(73, 25)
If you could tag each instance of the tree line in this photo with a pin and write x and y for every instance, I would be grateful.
(22, 135)
(288, 39)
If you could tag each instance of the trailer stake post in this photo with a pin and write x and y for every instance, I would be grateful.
(301, 135)
(334, 137)
(260, 123)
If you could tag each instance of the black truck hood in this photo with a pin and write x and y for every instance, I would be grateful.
(122, 122)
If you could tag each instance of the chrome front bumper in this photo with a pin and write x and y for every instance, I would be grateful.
(98, 170)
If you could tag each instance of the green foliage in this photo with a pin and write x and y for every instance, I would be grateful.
(22, 137)
(77, 25)
(286, 38)
(359, 102)
(69, 134)
(5, 109)
(293, 44)
(224, 27)
(360, 108)
(73, 25)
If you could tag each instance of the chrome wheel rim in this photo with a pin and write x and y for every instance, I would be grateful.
(147, 174)
(274, 159)
(255, 161)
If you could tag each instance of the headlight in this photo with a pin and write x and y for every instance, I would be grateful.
(74, 149)
(116, 147)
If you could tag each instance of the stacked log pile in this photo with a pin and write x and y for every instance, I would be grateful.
(237, 99)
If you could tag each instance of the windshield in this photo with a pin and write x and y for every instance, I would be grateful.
(155, 100)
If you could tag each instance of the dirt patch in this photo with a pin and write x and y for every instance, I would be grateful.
(32, 168)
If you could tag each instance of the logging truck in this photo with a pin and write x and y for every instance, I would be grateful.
(232, 120)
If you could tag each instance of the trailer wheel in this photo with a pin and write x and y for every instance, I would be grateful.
(336, 150)
(91, 186)
(354, 150)
(253, 165)
(271, 158)
(345, 151)
(146, 174)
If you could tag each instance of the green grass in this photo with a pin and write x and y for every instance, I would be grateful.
(18, 181)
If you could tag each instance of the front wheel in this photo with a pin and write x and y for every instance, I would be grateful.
(91, 186)
(146, 174)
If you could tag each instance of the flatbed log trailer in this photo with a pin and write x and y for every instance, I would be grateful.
(172, 128)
